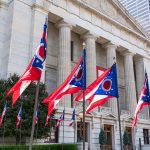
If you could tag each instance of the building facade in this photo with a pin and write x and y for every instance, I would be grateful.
(140, 10)
(108, 31)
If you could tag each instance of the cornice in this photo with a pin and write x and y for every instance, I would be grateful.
(103, 14)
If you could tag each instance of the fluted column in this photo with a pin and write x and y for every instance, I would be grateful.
(130, 82)
(64, 62)
(139, 73)
(90, 58)
(111, 58)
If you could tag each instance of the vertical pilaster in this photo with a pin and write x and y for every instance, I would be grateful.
(64, 62)
(111, 58)
(90, 58)
(3, 37)
(130, 81)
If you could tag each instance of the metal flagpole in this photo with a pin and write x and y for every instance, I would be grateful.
(83, 119)
(35, 106)
(75, 129)
(4, 131)
(119, 124)
(50, 133)
(63, 125)
(20, 133)
(83, 90)
(4, 123)
(36, 131)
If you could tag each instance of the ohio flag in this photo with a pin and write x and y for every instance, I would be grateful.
(101, 89)
(47, 119)
(72, 122)
(74, 82)
(61, 119)
(3, 114)
(36, 116)
(144, 99)
(33, 71)
(19, 116)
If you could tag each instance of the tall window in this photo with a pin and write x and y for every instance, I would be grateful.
(108, 134)
(72, 97)
(80, 131)
(146, 136)
(129, 131)
(72, 48)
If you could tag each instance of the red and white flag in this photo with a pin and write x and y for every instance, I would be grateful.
(33, 71)
(47, 119)
(144, 99)
(3, 114)
(74, 82)
(19, 116)
(101, 89)
(72, 122)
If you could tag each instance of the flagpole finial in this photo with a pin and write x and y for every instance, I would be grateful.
(83, 44)
(46, 19)
(114, 59)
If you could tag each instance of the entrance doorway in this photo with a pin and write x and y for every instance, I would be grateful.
(80, 132)
(108, 134)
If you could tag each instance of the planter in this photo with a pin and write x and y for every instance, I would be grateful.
(105, 147)
(128, 147)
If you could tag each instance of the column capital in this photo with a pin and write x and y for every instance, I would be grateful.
(89, 35)
(63, 23)
(127, 53)
(3, 4)
(110, 45)
(37, 7)
(138, 58)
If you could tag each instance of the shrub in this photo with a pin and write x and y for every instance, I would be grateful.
(102, 137)
(126, 140)
(41, 147)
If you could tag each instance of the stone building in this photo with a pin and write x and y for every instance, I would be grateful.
(109, 31)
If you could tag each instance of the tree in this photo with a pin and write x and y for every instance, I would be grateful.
(126, 140)
(102, 137)
(27, 100)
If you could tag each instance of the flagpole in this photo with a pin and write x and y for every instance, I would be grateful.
(121, 145)
(20, 133)
(83, 90)
(4, 130)
(75, 129)
(50, 133)
(36, 131)
(4, 123)
(35, 106)
(63, 126)
(83, 119)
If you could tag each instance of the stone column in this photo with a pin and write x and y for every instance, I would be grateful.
(111, 58)
(64, 62)
(139, 73)
(130, 82)
(90, 58)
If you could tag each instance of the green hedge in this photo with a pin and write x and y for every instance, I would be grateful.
(41, 147)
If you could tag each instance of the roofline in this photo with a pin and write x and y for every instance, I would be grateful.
(86, 5)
